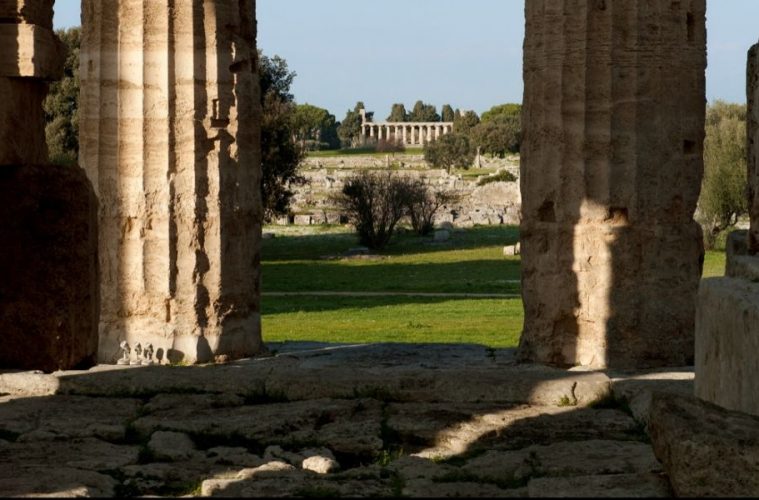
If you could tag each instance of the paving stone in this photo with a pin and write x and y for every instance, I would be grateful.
(706, 450)
(447, 429)
(347, 426)
(413, 467)
(171, 446)
(163, 402)
(86, 454)
(62, 417)
(636, 389)
(582, 458)
(225, 455)
(608, 486)
(425, 488)
(56, 482)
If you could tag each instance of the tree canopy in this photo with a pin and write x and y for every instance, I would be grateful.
(314, 128)
(398, 114)
(62, 105)
(423, 113)
(464, 122)
(450, 150)
(723, 192)
(509, 110)
(447, 114)
(280, 155)
(349, 130)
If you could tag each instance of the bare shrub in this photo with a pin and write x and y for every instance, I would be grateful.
(422, 205)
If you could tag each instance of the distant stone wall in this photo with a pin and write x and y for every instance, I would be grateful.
(493, 203)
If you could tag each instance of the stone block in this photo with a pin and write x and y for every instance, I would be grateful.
(30, 51)
(39, 12)
(739, 263)
(49, 300)
(22, 122)
(727, 343)
(706, 451)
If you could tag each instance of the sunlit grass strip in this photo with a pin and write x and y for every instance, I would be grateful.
(490, 322)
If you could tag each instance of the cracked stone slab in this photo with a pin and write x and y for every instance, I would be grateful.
(447, 429)
(608, 486)
(457, 373)
(636, 389)
(56, 482)
(63, 417)
(706, 450)
(85, 454)
(581, 458)
(345, 426)
(425, 488)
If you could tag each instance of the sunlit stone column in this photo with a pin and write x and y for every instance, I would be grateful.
(405, 135)
(611, 172)
(170, 139)
(421, 135)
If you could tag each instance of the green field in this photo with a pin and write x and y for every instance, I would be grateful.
(306, 260)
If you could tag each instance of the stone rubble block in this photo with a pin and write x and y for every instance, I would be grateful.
(171, 446)
(581, 458)
(37, 53)
(424, 488)
(39, 12)
(706, 450)
(727, 340)
(445, 429)
(67, 417)
(236, 455)
(637, 390)
(606, 486)
(346, 426)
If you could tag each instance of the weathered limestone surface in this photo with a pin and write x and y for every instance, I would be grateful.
(727, 331)
(49, 298)
(169, 138)
(706, 451)
(246, 439)
(611, 171)
(49, 292)
(752, 90)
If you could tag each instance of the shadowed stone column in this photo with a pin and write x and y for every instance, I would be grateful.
(170, 138)
(753, 147)
(611, 171)
(49, 287)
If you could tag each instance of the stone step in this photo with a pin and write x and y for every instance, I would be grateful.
(397, 372)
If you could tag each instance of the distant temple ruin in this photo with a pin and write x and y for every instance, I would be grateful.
(407, 133)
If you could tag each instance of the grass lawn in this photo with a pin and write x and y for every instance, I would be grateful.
(471, 262)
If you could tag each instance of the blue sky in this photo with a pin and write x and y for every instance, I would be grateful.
(463, 52)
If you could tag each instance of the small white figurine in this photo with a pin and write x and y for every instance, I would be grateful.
(125, 351)
(138, 353)
(148, 355)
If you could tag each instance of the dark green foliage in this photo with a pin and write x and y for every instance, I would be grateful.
(503, 176)
(447, 113)
(464, 122)
(423, 113)
(498, 136)
(349, 130)
(504, 110)
(280, 155)
(723, 192)
(398, 114)
(62, 105)
(451, 150)
(314, 128)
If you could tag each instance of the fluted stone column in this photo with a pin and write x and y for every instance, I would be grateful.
(610, 175)
(405, 135)
(170, 139)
